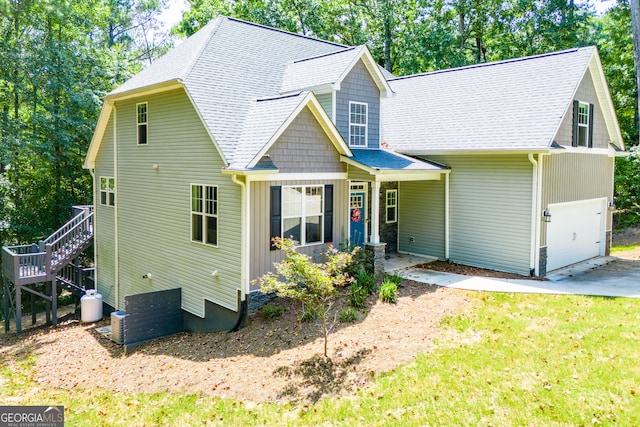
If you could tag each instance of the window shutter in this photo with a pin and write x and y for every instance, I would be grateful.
(276, 214)
(574, 140)
(590, 143)
(328, 213)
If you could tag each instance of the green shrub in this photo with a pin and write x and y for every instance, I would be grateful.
(393, 278)
(366, 281)
(389, 292)
(348, 314)
(357, 295)
(272, 311)
(308, 315)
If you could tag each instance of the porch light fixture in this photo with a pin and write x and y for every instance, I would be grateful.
(546, 215)
(611, 205)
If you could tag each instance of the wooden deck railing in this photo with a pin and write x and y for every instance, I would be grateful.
(24, 262)
(39, 262)
(67, 245)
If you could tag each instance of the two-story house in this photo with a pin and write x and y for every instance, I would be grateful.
(245, 132)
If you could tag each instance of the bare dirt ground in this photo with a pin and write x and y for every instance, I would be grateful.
(630, 254)
(269, 360)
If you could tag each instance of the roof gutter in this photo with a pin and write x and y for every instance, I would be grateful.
(475, 152)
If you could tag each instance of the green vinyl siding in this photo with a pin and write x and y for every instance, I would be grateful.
(490, 210)
(154, 206)
(569, 177)
(105, 221)
(421, 217)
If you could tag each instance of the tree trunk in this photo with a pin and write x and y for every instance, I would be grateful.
(635, 25)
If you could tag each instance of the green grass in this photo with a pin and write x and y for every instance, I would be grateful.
(511, 360)
(621, 248)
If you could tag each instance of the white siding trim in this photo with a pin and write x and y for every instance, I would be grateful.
(116, 245)
(447, 213)
(301, 176)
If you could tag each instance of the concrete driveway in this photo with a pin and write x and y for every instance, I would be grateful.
(602, 276)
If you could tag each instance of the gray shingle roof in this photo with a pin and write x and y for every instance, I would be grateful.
(388, 160)
(225, 67)
(514, 104)
(264, 118)
(318, 71)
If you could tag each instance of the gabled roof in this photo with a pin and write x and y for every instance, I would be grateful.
(268, 118)
(328, 71)
(223, 68)
(509, 105)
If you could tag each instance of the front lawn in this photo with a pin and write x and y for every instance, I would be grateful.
(513, 359)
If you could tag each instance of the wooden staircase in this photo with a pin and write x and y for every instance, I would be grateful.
(50, 261)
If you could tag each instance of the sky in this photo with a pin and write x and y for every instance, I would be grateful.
(173, 14)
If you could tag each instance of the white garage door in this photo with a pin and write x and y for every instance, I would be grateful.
(576, 232)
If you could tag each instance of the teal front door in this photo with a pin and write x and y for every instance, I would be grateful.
(357, 218)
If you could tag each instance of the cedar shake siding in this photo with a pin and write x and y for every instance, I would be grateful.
(585, 93)
(304, 148)
(358, 86)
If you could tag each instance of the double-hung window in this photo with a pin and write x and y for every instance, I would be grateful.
(107, 191)
(142, 120)
(204, 214)
(583, 124)
(303, 213)
(392, 206)
(358, 122)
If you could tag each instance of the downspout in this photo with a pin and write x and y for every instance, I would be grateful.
(92, 171)
(446, 216)
(116, 248)
(534, 216)
(244, 251)
(539, 210)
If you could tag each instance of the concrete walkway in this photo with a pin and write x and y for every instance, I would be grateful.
(602, 276)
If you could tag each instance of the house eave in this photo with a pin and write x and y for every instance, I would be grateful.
(491, 151)
(387, 175)
(323, 119)
(145, 91)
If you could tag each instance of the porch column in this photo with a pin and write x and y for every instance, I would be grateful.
(375, 212)
(374, 245)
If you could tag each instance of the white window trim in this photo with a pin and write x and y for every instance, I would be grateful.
(365, 125)
(584, 125)
(204, 215)
(394, 206)
(303, 229)
(108, 191)
(146, 123)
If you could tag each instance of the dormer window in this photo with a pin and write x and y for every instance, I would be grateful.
(142, 123)
(358, 120)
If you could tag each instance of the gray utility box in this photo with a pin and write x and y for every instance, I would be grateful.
(117, 326)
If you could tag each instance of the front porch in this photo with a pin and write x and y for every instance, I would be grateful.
(398, 208)
(397, 262)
